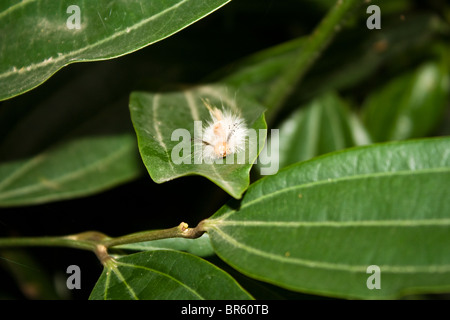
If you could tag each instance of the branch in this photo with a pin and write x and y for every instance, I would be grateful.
(315, 44)
(99, 243)
(180, 231)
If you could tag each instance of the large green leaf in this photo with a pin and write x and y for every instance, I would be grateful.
(409, 106)
(36, 40)
(165, 275)
(318, 225)
(156, 116)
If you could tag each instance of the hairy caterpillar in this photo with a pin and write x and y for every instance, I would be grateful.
(225, 134)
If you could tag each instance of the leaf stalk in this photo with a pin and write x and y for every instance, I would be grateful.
(99, 243)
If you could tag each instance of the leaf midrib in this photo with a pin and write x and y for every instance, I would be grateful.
(328, 181)
(399, 269)
(122, 279)
(338, 223)
(65, 57)
(15, 6)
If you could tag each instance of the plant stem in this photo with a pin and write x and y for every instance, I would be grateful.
(98, 242)
(46, 242)
(315, 44)
(180, 231)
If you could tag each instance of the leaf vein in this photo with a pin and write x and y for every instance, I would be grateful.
(330, 265)
(338, 224)
(158, 132)
(15, 6)
(163, 274)
(334, 180)
(61, 179)
(63, 57)
(121, 278)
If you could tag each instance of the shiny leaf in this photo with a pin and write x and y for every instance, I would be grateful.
(317, 226)
(165, 275)
(59, 33)
(157, 116)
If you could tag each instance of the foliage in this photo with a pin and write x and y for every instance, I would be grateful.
(362, 152)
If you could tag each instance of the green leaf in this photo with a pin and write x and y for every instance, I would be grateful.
(156, 116)
(409, 106)
(338, 68)
(258, 72)
(294, 68)
(50, 152)
(324, 125)
(398, 42)
(108, 29)
(317, 226)
(200, 247)
(165, 275)
(74, 169)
